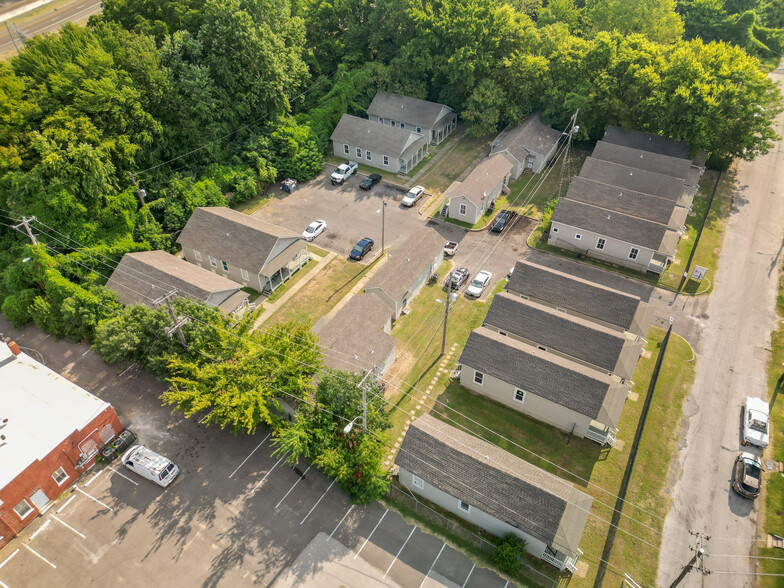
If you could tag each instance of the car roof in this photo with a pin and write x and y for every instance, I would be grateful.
(375, 176)
(364, 240)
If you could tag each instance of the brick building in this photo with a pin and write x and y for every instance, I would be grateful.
(50, 431)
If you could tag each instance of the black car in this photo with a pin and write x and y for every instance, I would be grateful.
(500, 222)
(361, 248)
(370, 181)
(457, 278)
(116, 446)
(748, 475)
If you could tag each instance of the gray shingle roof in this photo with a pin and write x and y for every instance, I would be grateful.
(646, 141)
(623, 200)
(354, 339)
(645, 160)
(608, 223)
(483, 179)
(376, 137)
(532, 135)
(144, 276)
(631, 178)
(537, 372)
(556, 331)
(406, 263)
(408, 110)
(496, 482)
(232, 236)
(574, 294)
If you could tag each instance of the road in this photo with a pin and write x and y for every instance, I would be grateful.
(49, 21)
(731, 365)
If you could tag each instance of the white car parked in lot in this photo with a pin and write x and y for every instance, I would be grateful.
(314, 230)
(343, 172)
(150, 465)
(756, 418)
(479, 283)
(413, 195)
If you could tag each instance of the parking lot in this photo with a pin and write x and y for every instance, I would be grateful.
(235, 516)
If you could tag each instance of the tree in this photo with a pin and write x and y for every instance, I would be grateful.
(561, 11)
(483, 109)
(508, 553)
(181, 197)
(656, 19)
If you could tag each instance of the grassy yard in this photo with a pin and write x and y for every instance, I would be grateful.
(255, 203)
(299, 275)
(452, 164)
(322, 293)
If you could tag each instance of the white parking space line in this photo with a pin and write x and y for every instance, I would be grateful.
(38, 555)
(4, 585)
(399, 551)
(94, 498)
(41, 528)
(469, 575)
(294, 486)
(265, 475)
(6, 560)
(371, 533)
(317, 503)
(434, 565)
(507, 584)
(68, 526)
(67, 502)
(123, 476)
(251, 455)
(340, 523)
(91, 480)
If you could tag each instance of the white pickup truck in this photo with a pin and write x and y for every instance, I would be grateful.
(343, 172)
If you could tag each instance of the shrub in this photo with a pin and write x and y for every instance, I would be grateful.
(507, 554)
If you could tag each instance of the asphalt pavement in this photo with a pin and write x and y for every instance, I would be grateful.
(48, 21)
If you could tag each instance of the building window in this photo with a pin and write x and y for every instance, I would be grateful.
(381, 120)
(60, 476)
(634, 253)
(554, 229)
(504, 333)
(600, 243)
(479, 377)
(402, 125)
(23, 509)
(386, 159)
(367, 155)
(577, 236)
(392, 123)
(464, 506)
(225, 266)
(197, 254)
(417, 481)
(463, 209)
(345, 149)
(213, 261)
(245, 275)
(359, 152)
(519, 395)
(529, 162)
(419, 130)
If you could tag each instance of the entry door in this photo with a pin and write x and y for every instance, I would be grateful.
(39, 499)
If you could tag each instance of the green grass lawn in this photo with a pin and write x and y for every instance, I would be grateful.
(322, 293)
(454, 162)
(254, 204)
(298, 276)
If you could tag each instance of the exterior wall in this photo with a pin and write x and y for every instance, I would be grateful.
(478, 517)
(376, 159)
(435, 135)
(38, 476)
(534, 406)
(409, 126)
(472, 212)
(517, 170)
(290, 253)
(216, 298)
(387, 363)
(614, 251)
(422, 279)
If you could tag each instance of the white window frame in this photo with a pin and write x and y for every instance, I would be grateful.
(28, 513)
(402, 125)
(368, 155)
(346, 149)
(633, 253)
(554, 230)
(479, 378)
(245, 275)
(417, 481)
(577, 236)
(600, 243)
(224, 265)
(359, 152)
(386, 159)
(197, 255)
(419, 130)
(463, 209)
(464, 506)
(213, 261)
(521, 393)
(62, 480)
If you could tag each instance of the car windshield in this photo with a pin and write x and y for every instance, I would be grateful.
(477, 283)
(357, 249)
(310, 229)
(411, 194)
(760, 426)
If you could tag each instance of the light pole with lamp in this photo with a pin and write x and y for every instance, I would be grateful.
(363, 416)
(451, 297)
(381, 210)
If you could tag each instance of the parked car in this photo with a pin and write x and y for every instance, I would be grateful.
(370, 181)
(500, 222)
(343, 172)
(747, 478)
(450, 248)
(361, 248)
(314, 230)
(413, 195)
(756, 418)
(456, 278)
(479, 283)
(150, 465)
(116, 446)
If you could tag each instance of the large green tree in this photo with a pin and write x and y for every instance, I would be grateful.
(656, 19)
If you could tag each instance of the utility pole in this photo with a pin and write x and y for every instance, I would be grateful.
(449, 299)
(12, 37)
(700, 551)
(22, 36)
(383, 209)
(573, 128)
(141, 193)
(26, 224)
(363, 386)
(177, 322)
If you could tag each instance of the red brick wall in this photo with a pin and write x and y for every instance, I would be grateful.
(39, 474)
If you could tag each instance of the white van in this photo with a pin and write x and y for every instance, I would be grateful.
(150, 465)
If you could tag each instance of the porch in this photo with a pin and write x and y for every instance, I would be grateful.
(561, 560)
(601, 434)
(277, 279)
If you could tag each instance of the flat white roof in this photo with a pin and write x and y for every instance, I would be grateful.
(42, 409)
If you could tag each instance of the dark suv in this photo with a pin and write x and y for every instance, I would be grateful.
(500, 222)
(361, 248)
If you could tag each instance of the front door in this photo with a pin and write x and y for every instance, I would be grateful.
(40, 499)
